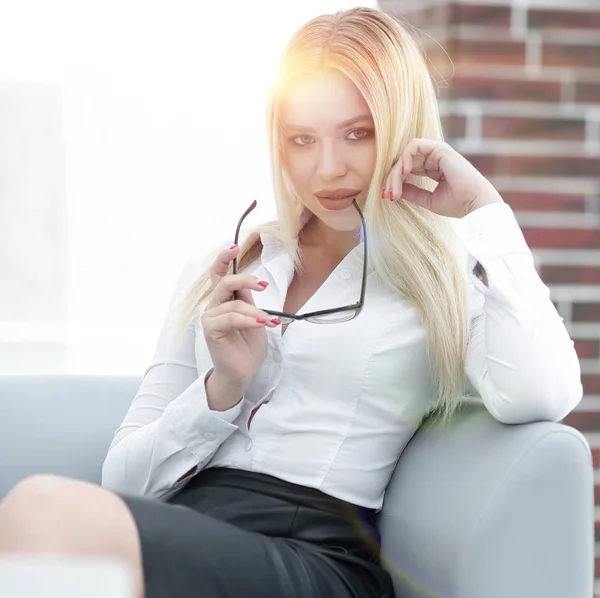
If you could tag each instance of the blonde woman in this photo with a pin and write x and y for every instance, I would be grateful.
(290, 375)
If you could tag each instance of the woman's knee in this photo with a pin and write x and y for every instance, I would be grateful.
(67, 507)
(35, 497)
(56, 511)
(49, 513)
(35, 485)
(41, 499)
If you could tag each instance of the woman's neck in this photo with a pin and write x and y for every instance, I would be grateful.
(322, 240)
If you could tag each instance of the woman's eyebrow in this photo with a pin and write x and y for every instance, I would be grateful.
(342, 125)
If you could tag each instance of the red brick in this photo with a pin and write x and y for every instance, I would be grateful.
(562, 238)
(563, 19)
(489, 52)
(570, 274)
(596, 457)
(566, 166)
(427, 17)
(488, 164)
(533, 128)
(587, 349)
(585, 421)
(531, 166)
(571, 55)
(454, 126)
(591, 385)
(485, 88)
(588, 93)
(481, 14)
(439, 62)
(586, 312)
(544, 202)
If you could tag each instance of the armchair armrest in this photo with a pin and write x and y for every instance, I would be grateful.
(480, 509)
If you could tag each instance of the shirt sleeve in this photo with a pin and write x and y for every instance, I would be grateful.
(520, 359)
(169, 431)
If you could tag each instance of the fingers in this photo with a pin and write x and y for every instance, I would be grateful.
(397, 178)
(242, 283)
(252, 314)
(393, 183)
(219, 270)
(235, 315)
(417, 195)
(225, 323)
(220, 266)
(422, 157)
(436, 175)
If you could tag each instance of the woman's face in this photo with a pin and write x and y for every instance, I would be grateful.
(328, 144)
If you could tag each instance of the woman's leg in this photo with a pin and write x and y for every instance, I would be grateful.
(59, 515)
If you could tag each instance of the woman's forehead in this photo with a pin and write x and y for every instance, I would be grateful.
(327, 98)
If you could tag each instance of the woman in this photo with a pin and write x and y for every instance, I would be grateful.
(256, 453)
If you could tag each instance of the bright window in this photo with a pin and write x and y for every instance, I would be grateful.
(131, 135)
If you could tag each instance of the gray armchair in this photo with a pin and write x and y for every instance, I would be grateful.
(478, 509)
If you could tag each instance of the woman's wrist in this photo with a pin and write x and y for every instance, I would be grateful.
(221, 393)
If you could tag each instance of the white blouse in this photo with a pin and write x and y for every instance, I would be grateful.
(339, 402)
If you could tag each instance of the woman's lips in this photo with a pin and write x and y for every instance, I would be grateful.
(337, 204)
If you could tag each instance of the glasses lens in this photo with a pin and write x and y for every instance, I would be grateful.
(335, 317)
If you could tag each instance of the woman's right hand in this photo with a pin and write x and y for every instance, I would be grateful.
(235, 329)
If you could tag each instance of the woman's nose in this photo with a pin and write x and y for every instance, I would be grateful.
(331, 163)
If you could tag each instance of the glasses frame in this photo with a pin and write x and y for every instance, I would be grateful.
(323, 312)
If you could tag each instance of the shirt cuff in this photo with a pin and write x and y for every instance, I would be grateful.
(491, 231)
(229, 415)
(200, 429)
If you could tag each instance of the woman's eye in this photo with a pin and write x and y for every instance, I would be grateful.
(355, 135)
(302, 140)
(359, 134)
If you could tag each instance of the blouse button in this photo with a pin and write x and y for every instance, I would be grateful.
(345, 274)
(209, 436)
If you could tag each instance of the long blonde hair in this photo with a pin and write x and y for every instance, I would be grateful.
(412, 249)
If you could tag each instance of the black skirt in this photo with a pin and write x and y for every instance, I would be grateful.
(238, 534)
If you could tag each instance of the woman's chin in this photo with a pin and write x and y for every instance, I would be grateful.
(346, 220)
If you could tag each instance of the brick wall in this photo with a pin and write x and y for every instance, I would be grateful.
(522, 101)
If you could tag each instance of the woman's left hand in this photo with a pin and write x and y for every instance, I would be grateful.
(461, 187)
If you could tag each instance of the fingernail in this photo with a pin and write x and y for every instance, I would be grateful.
(262, 283)
(391, 196)
(232, 247)
(275, 321)
(261, 320)
(383, 193)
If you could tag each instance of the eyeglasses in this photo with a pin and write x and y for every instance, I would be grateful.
(324, 316)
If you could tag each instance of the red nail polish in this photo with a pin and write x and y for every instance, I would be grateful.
(262, 283)
(232, 247)
(275, 321)
(261, 320)
(391, 196)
